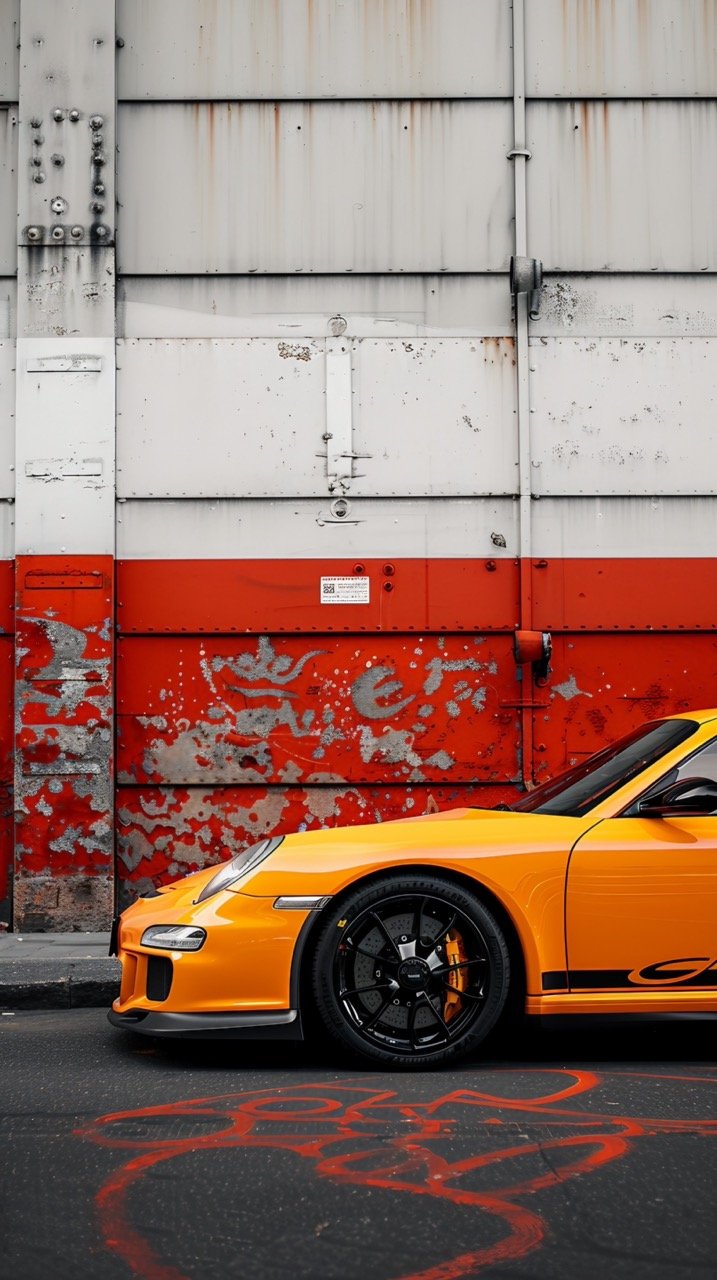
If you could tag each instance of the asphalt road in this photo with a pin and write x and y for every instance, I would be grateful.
(571, 1154)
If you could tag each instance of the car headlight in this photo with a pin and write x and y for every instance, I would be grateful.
(174, 937)
(244, 862)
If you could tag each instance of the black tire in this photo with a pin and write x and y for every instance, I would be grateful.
(411, 971)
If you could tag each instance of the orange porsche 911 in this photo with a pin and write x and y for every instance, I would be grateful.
(406, 941)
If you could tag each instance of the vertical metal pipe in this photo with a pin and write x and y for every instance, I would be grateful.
(519, 158)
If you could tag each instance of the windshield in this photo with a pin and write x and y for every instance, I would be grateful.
(577, 791)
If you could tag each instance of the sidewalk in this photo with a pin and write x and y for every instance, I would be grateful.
(57, 971)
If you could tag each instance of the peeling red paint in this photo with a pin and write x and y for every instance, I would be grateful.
(64, 823)
(314, 710)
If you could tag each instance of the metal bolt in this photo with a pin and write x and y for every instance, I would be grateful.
(36, 122)
(74, 115)
(58, 114)
(58, 233)
(58, 205)
(388, 586)
(404, 937)
(34, 233)
(99, 188)
(101, 232)
(96, 122)
(97, 139)
(98, 157)
(397, 1002)
(38, 177)
(57, 159)
(76, 232)
(97, 206)
(38, 140)
(36, 160)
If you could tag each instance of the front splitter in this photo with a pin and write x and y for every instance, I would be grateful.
(285, 1024)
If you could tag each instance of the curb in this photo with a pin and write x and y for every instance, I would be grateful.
(54, 984)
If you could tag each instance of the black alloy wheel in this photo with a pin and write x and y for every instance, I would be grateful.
(410, 971)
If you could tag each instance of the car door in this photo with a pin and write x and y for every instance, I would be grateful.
(641, 899)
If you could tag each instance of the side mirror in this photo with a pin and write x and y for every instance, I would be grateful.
(688, 798)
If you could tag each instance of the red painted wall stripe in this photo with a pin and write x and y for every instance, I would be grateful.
(597, 594)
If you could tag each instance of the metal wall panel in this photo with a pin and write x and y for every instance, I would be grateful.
(315, 187)
(629, 306)
(622, 528)
(605, 686)
(9, 49)
(8, 307)
(8, 191)
(435, 417)
(314, 306)
(617, 415)
(623, 186)
(67, 119)
(7, 419)
(65, 458)
(218, 418)
(7, 531)
(312, 709)
(594, 49)
(226, 529)
(262, 417)
(314, 49)
(66, 290)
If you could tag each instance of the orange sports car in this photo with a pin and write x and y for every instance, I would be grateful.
(406, 941)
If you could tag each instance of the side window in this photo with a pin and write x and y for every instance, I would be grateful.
(703, 764)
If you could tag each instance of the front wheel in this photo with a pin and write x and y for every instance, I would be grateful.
(411, 971)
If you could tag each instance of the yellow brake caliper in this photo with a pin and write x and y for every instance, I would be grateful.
(455, 954)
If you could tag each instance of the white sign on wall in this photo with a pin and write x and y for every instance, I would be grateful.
(349, 590)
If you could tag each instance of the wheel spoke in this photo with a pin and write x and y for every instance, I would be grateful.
(362, 991)
(418, 919)
(368, 1026)
(411, 1027)
(391, 941)
(438, 1016)
(362, 951)
(469, 995)
(451, 968)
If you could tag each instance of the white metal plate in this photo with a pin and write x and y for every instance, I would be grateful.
(7, 419)
(68, 67)
(629, 527)
(622, 416)
(309, 306)
(435, 417)
(65, 449)
(221, 417)
(313, 49)
(589, 49)
(8, 186)
(629, 306)
(250, 528)
(9, 49)
(66, 290)
(315, 187)
(623, 186)
(7, 531)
